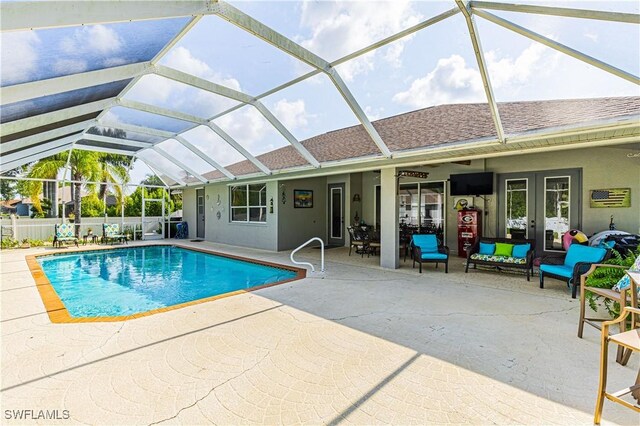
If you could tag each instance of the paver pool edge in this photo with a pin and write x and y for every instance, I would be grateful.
(58, 312)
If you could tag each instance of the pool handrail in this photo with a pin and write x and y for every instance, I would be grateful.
(307, 263)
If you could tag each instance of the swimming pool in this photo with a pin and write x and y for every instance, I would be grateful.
(129, 281)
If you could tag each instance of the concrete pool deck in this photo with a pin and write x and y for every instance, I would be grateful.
(362, 345)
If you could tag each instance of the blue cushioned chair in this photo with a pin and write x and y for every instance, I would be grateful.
(427, 249)
(577, 261)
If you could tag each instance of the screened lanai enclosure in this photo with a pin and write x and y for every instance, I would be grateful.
(199, 91)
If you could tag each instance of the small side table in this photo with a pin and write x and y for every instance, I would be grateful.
(92, 237)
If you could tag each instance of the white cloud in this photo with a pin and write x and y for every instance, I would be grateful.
(19, 56)
(291, 113)
(182, 59)
(212, 145)
(92, 39)
(341, 27)
(152, 89)
(451, 81)
(103, 39)
(251, 130)
(506, 71)
(69, 66)
(373, 113)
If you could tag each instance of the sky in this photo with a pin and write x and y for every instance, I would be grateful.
(431, 67)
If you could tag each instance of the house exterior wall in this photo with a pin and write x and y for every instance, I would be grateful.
(286, 228)
(295, 226)
(605, 167)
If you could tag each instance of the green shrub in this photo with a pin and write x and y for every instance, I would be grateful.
(9, 243)
(607, 278)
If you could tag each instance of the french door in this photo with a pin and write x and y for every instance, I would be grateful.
(540, 205)
(200, 213)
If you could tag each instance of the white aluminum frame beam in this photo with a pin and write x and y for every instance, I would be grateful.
(82, 147)
(53, 117)
(217, 89)
(5, 158)
(43, 136)
(141, 106)
(228, 139)
(364, 50)
(260, 30)
(180, 164)
(629, 18)
(557, 46)
(34, 15)
(67, 83)
(167, 136)
(164, 171)
(138, 129)
(204, 156)
(25, 160)
(197, 120)
(482, 67)
(116, 141)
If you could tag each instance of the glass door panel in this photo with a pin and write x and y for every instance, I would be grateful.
(409, 214)
(516, 208)
(556, 211)
(432, 208)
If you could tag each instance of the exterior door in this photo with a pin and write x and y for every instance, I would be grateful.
(540, 205)
(200, 213)
(336, 214)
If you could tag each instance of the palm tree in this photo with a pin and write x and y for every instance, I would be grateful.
(85, 166)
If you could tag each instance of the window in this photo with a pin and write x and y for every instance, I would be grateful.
(249, 203)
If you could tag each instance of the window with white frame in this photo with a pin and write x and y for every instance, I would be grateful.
(248, 203)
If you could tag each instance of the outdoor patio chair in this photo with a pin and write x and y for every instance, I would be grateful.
(357, 239)
(111, 232)
(64, 233)
(627, 339)
(427, 249)
(577, 261)
(611, 294)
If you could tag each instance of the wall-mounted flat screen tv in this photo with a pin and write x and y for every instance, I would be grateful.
(471, 184)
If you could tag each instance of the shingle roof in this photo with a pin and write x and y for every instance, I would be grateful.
(440, 125)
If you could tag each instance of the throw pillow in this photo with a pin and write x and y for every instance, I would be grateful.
(520, 250)
(487, 248)
(625, 282)
(503, 249)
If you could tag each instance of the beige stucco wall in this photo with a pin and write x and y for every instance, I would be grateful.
(607, 167)
(298, 225)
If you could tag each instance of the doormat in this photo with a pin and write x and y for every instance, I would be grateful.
(196, 241)
(328, 246)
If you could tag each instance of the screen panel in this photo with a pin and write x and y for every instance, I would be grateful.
(42, 54)
(45, 104)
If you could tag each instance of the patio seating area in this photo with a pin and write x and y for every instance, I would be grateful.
(360, 345)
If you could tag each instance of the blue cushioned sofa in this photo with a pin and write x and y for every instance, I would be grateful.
(577, 261)
(476, 257)
(427, 249)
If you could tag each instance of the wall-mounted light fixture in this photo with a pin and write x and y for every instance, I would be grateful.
(356, 198)
(271, 205)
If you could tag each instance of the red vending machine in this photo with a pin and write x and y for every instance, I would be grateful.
(469, 230)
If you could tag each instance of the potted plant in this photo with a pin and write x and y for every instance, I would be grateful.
(72, 217)
(25, 244)
(607, 278)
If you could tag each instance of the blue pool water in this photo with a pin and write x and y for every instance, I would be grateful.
(132, 280)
